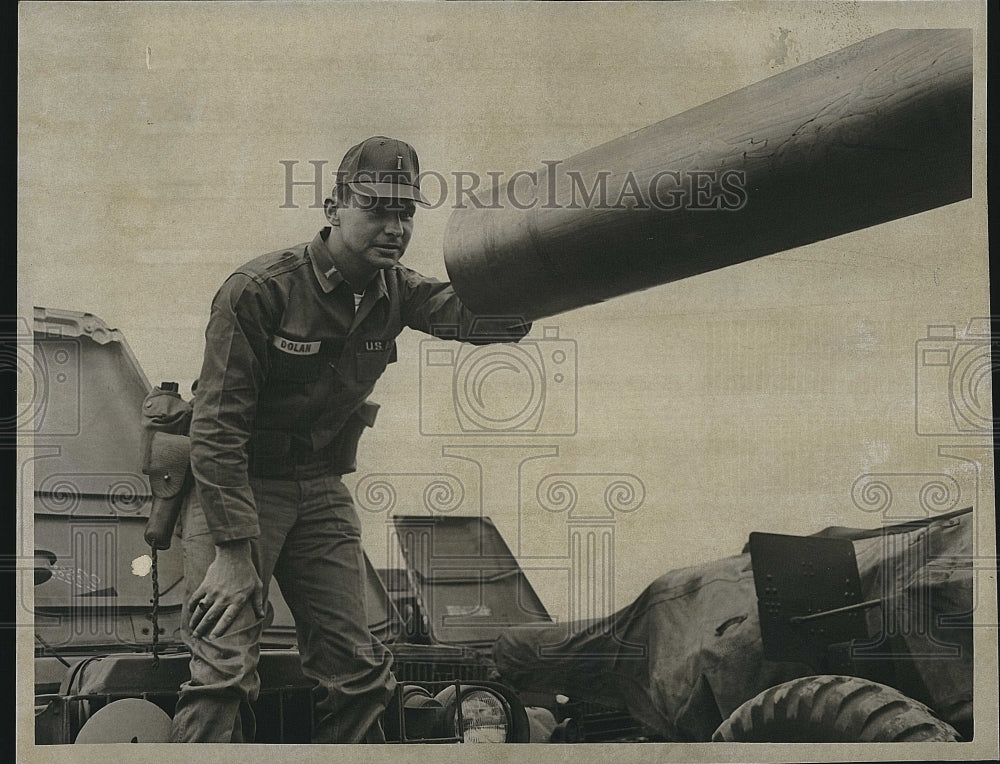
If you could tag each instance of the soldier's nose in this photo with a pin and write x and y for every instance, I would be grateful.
(394, 226)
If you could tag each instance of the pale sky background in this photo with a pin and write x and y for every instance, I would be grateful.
(750, 398)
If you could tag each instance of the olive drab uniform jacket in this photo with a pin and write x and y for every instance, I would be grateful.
(289, 358)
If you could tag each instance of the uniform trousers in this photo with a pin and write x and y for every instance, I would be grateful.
(310, 542)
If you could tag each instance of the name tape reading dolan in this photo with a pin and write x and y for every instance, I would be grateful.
(295, 347)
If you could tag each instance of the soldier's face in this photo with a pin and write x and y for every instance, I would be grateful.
(376, 231)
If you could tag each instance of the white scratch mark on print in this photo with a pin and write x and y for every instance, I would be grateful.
(142, 565)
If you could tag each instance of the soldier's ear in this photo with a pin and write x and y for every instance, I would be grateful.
(331, 209)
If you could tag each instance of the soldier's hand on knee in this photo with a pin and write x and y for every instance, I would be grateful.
(230, 583)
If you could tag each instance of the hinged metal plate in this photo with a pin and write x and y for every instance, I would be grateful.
(799, 575)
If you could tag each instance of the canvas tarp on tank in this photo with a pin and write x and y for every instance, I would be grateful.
(688, 650)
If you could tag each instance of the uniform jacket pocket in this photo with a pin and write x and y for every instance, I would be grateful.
(371, 358)
(294, 361)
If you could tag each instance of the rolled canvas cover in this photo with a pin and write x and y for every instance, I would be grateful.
(687, 651)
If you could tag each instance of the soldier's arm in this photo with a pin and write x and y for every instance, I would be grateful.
(232, 375)
(231, 378)
(431, 306)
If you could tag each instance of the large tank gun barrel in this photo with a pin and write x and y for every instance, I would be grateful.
(870, 133)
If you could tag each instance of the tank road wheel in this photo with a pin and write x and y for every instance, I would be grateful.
(833, 709)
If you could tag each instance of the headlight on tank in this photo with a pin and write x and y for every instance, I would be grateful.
(480, 715)
(485, 718)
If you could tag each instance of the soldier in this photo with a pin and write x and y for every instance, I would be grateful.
(295, 342)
